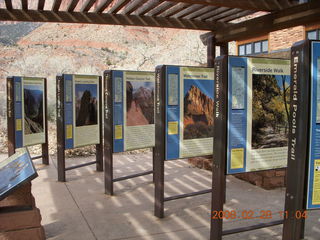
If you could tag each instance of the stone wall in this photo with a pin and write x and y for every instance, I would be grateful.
(19, 217)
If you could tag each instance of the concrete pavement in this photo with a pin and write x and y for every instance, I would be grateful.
(79, 209)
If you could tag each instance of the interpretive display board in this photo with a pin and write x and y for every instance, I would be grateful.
(79, 123)
(15, 170)
(28, 112)
(189, 111)
(81, 104)
(258, 113)
(313, 194)
(133, 109)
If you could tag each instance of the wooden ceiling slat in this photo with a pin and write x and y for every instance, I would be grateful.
(148, 6)
(102, 18)
(72, 5)
(120, 4)
(188, 10)
(131, 7)
(103, 6)
(200, 12)
(224, 14)
(41, 4)
(258, 5)
(24, 4)
(56, 5)
(236, 16)
(213, 13)
(301, 14)
(8, 4)
(172, 11)
(160, 9)
(87, 5)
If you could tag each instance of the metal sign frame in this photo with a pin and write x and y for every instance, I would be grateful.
(11, 122)
(61, 133)
(109, 136)
(299, 141)
(220, 157)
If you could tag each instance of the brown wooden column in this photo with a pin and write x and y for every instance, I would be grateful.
(45, 146)
(218, 197)
(211, 51)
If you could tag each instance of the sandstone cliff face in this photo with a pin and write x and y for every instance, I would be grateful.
(198, 114)
(198, 106)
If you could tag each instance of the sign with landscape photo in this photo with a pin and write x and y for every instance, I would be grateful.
(189, 111)
(258, 114)
(29, 106)
(133, 104)
(81, 104)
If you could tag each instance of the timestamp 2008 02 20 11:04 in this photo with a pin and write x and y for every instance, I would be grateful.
(261, 214)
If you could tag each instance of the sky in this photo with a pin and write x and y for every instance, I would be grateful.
(80, 88)
(206, 86)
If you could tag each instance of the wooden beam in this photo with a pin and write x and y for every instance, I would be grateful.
(41, 4)
(87, 5)
(56, 5)
(188, 10)
(298, 15)
(120, 4)
(133, 6)
(24, 4)
(103, 6)
(72, 5)
(160, 9)
(104, 18)
(200, 12)
(148, 6)
(214, 13)
(237, 15)
(224, 14)
(172, 11)
(8, 4)
(258, 5)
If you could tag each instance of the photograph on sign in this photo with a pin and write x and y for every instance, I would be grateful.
(140, 103)
(313, 192)
(86, 104)
(258, 114)
(29, 111)
(134, 116)
(85, 110)
(197, 109)
(189, 111)
(15, 170)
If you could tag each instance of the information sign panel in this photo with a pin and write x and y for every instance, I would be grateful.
(189, 111)
(258, 113)
(133, 110)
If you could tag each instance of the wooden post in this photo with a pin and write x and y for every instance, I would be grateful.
(60, 130)
(99, 147)
(159, 149)
(211, 51)
(45, 145)
(220, 145)
(10, 116)
(108, 133)
(293, 228)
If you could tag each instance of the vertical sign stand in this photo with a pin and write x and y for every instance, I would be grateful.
(109, 136)
(220, 155)
(160, 135)
(11, 122)
(301, 148)
(61, 133)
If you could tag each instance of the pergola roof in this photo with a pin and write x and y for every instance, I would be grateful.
(218, 16)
